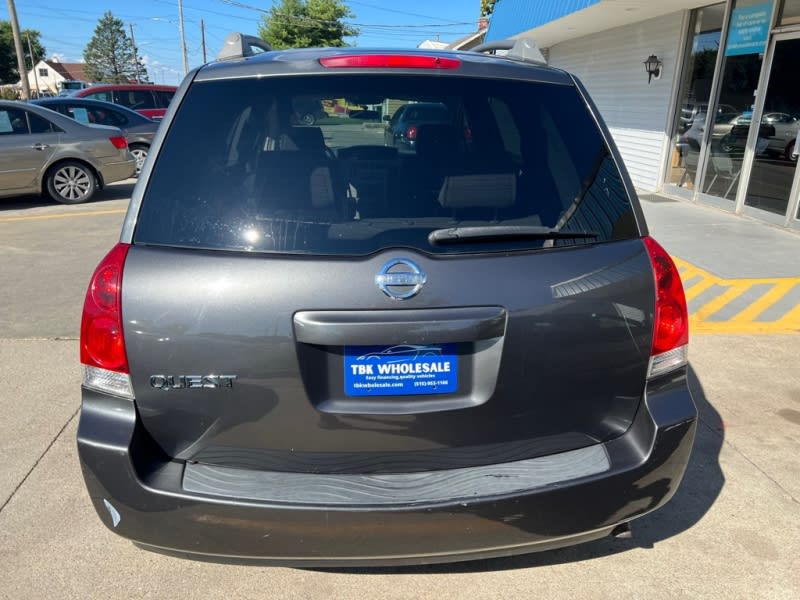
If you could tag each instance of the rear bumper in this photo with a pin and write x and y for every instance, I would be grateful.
(140, 495)
(117, 170)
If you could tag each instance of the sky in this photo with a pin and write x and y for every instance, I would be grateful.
(66, 28)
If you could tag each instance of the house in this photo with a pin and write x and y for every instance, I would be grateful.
(467, 42)
(432, 45)
(48, 76)
(473, 39)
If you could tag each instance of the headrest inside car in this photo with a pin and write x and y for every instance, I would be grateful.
(307, 139)
(491, 190)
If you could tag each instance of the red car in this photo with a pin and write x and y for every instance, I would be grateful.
(149, 100)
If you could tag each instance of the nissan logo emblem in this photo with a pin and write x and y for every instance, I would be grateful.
(400, 279)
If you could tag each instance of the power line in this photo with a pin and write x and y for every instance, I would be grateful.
(85, 12)
(342, 21)
(393, 10)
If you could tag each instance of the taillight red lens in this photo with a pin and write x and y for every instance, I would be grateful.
(389, 61)
(671, 329)
(120, 143)
(102, 341)
(411, 134)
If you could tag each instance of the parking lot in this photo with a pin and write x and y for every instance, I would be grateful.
(731, 531)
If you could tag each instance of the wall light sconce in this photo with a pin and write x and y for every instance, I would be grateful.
(653, 67)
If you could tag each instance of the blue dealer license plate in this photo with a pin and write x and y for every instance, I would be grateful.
(402, 370)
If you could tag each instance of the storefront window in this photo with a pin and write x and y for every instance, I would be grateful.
(744, 53)
(698, 74)
(775, 158)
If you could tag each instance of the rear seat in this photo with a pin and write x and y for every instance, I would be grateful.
(373, 173)
(298, 179)
(454, 182)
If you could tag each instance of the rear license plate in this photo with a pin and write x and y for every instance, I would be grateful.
(400, 370)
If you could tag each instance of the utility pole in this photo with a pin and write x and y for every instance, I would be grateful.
(135, 54)
(23, 73)
(33, 68)
(203, 39)
(183, 38)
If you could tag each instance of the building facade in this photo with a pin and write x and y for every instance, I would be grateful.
(48, 76)
(716, 118)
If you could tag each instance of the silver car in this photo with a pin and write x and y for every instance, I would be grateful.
(139, 130)
(41, 150)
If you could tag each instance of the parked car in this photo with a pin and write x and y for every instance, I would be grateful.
(228, 411)
(308, 112)
(723, 123)
(694, 111)
(138, 129)
(403, 126)
(41, 150)
(786, 128)
(734, 141)
(150, 100)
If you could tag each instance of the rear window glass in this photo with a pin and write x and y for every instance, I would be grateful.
(95, 115)
(103, 96)
(163, 97)
(477, 155)
(135, 99)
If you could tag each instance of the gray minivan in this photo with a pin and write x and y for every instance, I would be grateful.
(311, 349)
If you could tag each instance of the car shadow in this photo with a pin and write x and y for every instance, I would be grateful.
(700, 488)
(115, 191)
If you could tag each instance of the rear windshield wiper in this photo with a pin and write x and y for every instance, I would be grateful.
(497, 233)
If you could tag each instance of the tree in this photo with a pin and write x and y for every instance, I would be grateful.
(487, 7)
(9, 73)
(307, 24)
(109, 55)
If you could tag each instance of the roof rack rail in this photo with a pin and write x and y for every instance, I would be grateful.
(524, 49)
(239, 45)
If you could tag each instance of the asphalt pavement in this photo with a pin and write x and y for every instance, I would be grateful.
(731, 531)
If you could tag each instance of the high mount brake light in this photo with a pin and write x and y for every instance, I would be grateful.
(103, 356)
(671, 322)
(389, 61)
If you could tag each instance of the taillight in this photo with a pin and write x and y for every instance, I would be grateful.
(105, 363)
(411, 133)
(389, 61)
(120, 143)
(671, 323)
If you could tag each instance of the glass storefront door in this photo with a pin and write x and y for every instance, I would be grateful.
(695, 94)
(775, 157)
(741, 69)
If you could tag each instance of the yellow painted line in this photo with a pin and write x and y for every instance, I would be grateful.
(692, 272)
(778, 291)
(717, 303)
(793, 317)
(743, 322)
(85, 213)
(754, 327)
(698, 288)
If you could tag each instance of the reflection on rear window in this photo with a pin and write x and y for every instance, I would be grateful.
(259, 179)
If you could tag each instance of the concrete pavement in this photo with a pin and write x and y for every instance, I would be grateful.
(732, 530)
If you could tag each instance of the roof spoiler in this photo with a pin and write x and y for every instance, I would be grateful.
(524, 49)
(239, 45)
